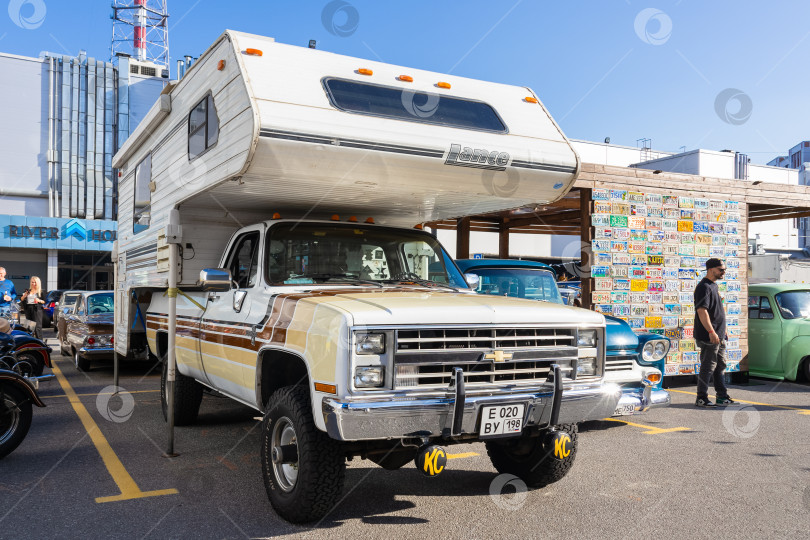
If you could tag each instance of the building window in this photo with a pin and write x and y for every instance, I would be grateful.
(203, 127)
(143, 195)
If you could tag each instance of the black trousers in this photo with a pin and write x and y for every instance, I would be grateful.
(33, 312)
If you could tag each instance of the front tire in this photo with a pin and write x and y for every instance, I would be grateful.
(188, 394)
(15, 418)
(306, 489)
(532, 459)
(29, 364)
(81, 363)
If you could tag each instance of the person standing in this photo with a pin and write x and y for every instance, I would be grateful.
(7, 292)
(710, 335)
(33, 299)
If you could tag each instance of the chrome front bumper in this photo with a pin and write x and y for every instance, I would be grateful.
(358, 420)
(643, 399)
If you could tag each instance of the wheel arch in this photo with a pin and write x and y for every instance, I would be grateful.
(277, 368)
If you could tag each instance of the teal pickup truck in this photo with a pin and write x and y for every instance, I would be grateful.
(633, 361)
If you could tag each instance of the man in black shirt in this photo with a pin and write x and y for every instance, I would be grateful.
(710, 335)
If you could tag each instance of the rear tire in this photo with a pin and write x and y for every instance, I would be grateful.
(15, 418)
(29, 364)
(307, 489)
(81, 363)
(805, 369)
(188, 395)
(531, 460)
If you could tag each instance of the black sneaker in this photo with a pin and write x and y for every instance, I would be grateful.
(725, 401)
(701, 402)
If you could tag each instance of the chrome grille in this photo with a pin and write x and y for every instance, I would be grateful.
(619, 363)
(426, 358)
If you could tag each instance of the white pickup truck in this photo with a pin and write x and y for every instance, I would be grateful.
(352, 338)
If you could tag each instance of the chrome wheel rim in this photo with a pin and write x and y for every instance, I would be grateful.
(286, 474)
(9, 418)
(24, 365)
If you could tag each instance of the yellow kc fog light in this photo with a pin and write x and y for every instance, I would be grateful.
(368, 376)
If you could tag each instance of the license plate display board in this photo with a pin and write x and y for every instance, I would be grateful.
(624, 410)
(671, 262)
(502, 420)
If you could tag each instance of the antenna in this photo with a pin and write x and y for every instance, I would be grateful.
(140, 30)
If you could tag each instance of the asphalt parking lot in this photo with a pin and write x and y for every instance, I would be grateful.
(92, 467)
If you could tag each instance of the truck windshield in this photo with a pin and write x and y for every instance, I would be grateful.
(532, 283)
(300, 253)
(794, 304)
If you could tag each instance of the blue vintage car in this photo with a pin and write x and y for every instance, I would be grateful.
(633, 361)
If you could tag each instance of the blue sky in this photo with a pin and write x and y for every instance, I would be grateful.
(714, 75)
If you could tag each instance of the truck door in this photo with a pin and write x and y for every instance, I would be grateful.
(227, 338)
(764, 335)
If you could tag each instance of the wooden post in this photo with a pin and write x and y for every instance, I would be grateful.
(586, 253)
(463, 238)
(503, 240)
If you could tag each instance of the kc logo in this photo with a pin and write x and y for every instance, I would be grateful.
(561, 445)
(431, 460)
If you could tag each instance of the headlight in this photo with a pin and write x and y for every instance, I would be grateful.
(654, 350)
(368, 377)
(369, 343)
(586, 367)
(586, 338)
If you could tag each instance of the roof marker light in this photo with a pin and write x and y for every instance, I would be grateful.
(531, 99)
(221, 65)
(253, 52)
(405, 78)
(418, 226)
(335, 217)
(370, 220)
(276, 215)
(364, 71)
(353, 219)
(443, 85)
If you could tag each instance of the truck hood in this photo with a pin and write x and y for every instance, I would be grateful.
(619, 335)
(424, 306)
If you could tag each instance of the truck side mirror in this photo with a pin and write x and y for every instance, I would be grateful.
(472, 280)
(215, 279)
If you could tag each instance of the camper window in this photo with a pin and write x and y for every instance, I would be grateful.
(413, 106)
(143, 195)
(203, 127)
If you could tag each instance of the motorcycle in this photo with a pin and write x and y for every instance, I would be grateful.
(22, 353)
(17, 394)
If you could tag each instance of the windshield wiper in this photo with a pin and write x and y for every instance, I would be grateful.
(351, 278)
(415, 278)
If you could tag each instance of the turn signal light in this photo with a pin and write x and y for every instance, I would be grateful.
(443, 85)
(405, 78)
(253, 52)
(654, 377)
(531, 99)
(91, 340)
(326, 388)
(364, 71)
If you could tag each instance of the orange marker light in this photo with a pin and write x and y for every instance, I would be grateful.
(335, 217)
(531, 99)
(253, 52)
(326, 388)
(276, 215)
(221, 65)
(443, 85)
(654, 377)
(353, 219)
(418, 226)
(364, 71)
(370, 220)
(405, 78)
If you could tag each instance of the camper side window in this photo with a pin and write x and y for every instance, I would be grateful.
(143, 195)
(203, 127)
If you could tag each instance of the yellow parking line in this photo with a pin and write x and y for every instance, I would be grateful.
(651, 430)
(801, 411)
(101, 394)
(129, 489)
(463, 455)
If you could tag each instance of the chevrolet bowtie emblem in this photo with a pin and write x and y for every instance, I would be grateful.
(498, 356)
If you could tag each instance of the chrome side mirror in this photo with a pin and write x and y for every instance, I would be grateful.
(215, 280)
(473, 280)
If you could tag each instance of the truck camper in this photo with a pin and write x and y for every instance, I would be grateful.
(267, 251)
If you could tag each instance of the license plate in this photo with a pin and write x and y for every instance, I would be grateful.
(501, 420)
(624, 410)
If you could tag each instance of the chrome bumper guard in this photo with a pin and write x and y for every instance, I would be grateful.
(644, 399)
(459, 413)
